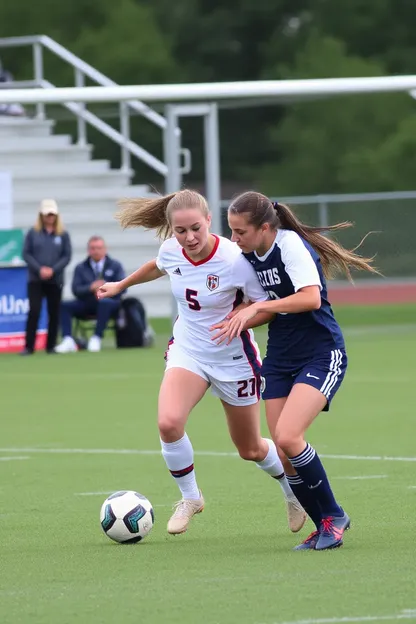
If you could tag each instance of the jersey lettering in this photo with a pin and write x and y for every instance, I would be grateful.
(269, 277)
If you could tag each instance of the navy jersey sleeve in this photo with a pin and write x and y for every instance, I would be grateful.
(245, 279)
(298, 261)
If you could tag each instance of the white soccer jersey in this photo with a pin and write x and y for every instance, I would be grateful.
(206, 292)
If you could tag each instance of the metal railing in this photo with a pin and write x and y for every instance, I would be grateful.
(83, 70)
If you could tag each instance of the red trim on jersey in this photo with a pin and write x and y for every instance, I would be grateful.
(170, 343)
(246, 338)
(208, 258)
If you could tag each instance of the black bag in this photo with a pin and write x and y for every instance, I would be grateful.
(131, 324)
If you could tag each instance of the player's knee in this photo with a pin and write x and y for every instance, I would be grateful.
(170, 427)
(286, 440)
(250, 454)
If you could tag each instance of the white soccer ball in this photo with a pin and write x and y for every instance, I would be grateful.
(127, 517)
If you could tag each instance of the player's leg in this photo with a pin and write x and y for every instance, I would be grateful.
(180, 391)
(276, 388)
(274, 408)
(301, 408)
(243, 418)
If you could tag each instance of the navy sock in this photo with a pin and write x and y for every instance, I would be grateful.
(311, 471)
(308, 502)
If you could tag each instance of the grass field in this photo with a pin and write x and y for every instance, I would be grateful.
(65, 423)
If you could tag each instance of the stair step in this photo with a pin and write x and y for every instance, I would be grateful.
(24, 127)
(38, 144)
(79, 195)
(18, 122)
(61, 184)
(55, 169)
(139, 244)
(59, 154)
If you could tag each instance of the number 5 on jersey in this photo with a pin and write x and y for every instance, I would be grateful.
(193, 302)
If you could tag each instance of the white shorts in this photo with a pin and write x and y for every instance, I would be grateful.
(236, 385)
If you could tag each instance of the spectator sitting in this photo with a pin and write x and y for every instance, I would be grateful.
(89, 275)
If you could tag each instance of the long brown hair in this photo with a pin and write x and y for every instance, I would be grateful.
(155, 213)
(334, 257)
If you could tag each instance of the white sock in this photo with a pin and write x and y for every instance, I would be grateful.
(179, 458)
(274, 467)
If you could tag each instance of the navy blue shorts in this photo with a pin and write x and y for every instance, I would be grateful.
(325, 373)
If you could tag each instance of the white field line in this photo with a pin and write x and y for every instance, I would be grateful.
(98, 451)
(379, 329)
(355, 379)
(106, 493)
(404, 615)
(14, 458)
(362, 477)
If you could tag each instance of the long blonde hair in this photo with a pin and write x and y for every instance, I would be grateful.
(58, 227)
(334, 257)
(155, 213)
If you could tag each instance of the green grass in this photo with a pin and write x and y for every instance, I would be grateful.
(236, 564)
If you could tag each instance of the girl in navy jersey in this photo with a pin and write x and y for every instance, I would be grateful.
(306, 360)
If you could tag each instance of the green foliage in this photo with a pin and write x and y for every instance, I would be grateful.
(342, 144)
(333, 146)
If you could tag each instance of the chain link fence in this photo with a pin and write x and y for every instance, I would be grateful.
(391, 216)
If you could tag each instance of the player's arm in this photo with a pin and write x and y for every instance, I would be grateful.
(147, 273)
(253, 291)
(306, 281)
(260, 319)
(245, 279)
(305, 299)
(304, 276)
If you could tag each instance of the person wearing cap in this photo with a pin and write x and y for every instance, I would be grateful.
(46, 251)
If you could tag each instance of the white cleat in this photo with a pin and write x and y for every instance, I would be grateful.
(94, 344)
(296, 515)
(68, 345)
(184, 510)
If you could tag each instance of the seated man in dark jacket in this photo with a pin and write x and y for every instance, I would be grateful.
(89, 275)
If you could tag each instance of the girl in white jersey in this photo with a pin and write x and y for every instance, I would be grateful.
(209, 277)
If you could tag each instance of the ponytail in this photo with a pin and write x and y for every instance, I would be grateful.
(150, 213)
(155, 213)
(334, 257)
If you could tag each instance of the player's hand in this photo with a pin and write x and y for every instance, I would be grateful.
(230, 329)
(96, 285)
(222, 333)
(109, 289)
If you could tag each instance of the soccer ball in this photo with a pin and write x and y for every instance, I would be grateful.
(127, 517)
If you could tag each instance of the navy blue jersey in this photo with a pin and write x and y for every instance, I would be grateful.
(290, 264)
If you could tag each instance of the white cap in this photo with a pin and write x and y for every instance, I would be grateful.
(48, 206)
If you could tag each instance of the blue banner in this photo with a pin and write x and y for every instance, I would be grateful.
(14, 308)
